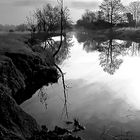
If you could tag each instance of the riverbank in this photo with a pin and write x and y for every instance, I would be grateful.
(22, 72)
(130, 34)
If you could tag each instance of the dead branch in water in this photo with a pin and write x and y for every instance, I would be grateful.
(51, 42)
(57, 51)
(64, 89)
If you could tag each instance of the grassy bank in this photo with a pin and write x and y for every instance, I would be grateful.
(131, 34)
(20, 69)
(13, 42)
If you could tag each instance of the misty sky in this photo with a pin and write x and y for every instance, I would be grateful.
(15, 11)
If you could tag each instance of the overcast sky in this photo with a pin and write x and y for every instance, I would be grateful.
(15, 11)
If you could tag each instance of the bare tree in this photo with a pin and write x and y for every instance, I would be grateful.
(134, 9)
(113, 9)
(47, 18)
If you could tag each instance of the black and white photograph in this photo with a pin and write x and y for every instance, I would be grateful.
(69, 69)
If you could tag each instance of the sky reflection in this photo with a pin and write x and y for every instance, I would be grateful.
(83, 65)
(95, 97)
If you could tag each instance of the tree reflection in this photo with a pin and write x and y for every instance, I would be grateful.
(111, 50)
(109, 60)
(90, 46)
(64, 51)
(52, 45)
(134, 49)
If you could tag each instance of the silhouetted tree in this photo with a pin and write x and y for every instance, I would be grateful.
(113, 10)
(49, 18)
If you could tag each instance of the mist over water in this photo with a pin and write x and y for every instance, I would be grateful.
(99, 97)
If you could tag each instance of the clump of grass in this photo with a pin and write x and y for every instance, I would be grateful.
(58, 133)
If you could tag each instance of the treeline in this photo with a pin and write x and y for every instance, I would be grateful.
(12, 28)
(93, 20)
(111, 13)
(45, 19)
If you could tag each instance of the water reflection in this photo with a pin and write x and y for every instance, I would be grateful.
(101, 101)
(134, 49)
(52, 45)
(109, 56)
(65, 49)
(111, 50)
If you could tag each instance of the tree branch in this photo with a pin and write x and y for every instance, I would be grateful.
(64, 89)
(61, 32)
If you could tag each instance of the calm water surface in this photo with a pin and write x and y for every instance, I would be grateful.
(104, 89)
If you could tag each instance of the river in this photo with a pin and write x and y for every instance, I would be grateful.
(103, 89)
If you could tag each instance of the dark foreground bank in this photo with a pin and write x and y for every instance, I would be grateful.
(23, 70)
